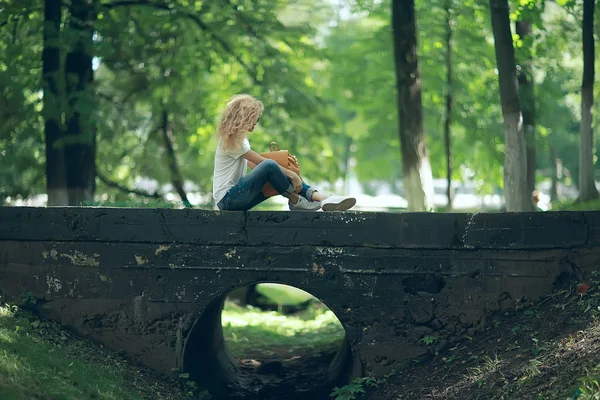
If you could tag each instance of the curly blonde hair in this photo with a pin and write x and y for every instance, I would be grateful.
(240, 115)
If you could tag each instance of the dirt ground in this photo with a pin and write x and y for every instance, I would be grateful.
(537, 351)
(281, 373)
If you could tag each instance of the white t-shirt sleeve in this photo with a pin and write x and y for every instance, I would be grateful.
(237, 153)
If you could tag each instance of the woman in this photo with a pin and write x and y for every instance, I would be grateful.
(234, 190)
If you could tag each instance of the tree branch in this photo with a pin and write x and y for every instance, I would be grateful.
(196, 19)
(14, 38)
(176, 178)
(155, 195)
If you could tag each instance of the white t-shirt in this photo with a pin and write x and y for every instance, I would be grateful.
(230, 167)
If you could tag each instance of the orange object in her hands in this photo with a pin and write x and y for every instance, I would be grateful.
(285, 160)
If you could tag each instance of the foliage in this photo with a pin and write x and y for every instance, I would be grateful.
(324, 71)
(590, 387)
(249, 328)
(21, 131)
(428, 340)
(354, 389)
(28, 298)
(578, 206)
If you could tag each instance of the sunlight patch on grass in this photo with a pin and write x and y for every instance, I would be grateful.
(278, 323)
(5, 312)
(283, 294)
(5, 336)
(9, 363)
(250, 328)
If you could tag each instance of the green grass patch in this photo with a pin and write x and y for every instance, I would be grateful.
(577, 206)
(283, 294)
(38, 360)
(248, 328)
(590, 385)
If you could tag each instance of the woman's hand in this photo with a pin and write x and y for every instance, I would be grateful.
(296, 181)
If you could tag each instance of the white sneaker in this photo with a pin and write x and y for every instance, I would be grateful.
(304, 205)
(338, 203)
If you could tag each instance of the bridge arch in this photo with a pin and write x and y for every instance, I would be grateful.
(209, 361)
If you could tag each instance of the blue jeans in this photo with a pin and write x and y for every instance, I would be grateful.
(247, 192)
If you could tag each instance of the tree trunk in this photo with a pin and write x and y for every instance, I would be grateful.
(587, 186)
(347, 159)
(56, 185)
(416, 169)
(556, 168)
(176, 178)
(80, 138)
(527, 98)
(449, 104)
(515, 162)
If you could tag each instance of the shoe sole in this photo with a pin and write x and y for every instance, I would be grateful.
(343, 205)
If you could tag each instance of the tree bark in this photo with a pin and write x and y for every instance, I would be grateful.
(527, 98)
(416, 169)
(56, 185)
(347, 158)
(587, 186)
(556, 168)
(176, 178)
(80, 143)
(449, 104)
(517, 198)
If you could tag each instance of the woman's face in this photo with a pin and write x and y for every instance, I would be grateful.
(254, 126)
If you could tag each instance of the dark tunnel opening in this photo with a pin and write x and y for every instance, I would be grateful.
(256, 343)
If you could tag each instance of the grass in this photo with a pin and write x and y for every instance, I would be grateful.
(577, 206)
(38, 360)
(247, 328)
(590, 385)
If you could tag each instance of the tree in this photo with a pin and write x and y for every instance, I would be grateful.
(80, 135)
(361, 85)
(320, 90)
(515, 162)
(526, 92)
(176, 178)
(56, 184)
(449, 102)
(587, 186)
(416, 169)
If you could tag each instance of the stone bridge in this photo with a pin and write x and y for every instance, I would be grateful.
(151, 282)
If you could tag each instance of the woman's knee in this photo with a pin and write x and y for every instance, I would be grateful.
(269, 164)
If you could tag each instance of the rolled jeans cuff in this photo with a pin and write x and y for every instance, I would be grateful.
(289, 190)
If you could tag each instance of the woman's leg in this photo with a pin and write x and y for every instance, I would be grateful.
(311, 194)
(328, 203)
(247, 192)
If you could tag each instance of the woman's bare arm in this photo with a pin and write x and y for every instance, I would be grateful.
(254, 159)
